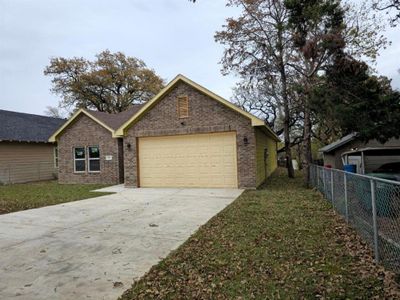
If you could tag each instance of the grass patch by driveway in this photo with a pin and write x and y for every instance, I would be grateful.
(279, 242)
(24, 196)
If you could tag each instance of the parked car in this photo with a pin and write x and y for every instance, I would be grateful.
(389, 171)
(387, 194)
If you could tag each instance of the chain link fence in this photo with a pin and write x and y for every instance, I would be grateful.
(19, 172)
(369, 205)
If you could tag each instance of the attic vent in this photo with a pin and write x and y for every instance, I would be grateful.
(183, 106)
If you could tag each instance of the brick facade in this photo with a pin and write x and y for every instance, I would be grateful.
(205, 116)
(85, 132)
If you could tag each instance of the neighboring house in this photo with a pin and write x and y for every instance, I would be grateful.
(25, 152)
(332, 153)
(186, 136)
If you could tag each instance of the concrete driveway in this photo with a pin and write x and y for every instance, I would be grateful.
(93, 249)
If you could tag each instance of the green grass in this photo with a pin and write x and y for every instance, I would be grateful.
(32, 195)
(280, 242)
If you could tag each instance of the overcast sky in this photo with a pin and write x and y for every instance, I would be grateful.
(171, 36)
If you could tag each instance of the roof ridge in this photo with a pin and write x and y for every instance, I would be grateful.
(339, 143)
(25, 127)
(114, 120)
(255, 121)
(113, 113)
(24, 113)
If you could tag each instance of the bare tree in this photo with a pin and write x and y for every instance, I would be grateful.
(257, 99)
(55, 112)
(363, 31)
(323, 29)
(389, 6)
(259, 46)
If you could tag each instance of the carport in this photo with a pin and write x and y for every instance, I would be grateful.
(369, 159)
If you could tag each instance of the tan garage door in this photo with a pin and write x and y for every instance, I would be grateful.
(198, 160)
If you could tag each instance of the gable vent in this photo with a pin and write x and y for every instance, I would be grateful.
(183, 106)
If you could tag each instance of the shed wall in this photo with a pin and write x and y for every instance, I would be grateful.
(335, 158)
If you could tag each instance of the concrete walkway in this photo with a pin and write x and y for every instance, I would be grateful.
(93, 249)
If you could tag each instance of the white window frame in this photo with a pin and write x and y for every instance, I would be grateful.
(89, 159)
(79, 159)
(56, 157)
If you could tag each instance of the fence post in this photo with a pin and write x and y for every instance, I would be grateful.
(345, 198)
(374, 222)
(332, 187)
(324, 181)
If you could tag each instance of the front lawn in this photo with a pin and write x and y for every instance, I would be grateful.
(279, 242)
(32, 195)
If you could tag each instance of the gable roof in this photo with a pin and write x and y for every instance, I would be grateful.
(118, 123)
(23, 127)
(180, 78)
(111, 122)
(114, 121)
(339, 143)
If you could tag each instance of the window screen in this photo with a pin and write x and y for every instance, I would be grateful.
(94, 158)
(79, 159)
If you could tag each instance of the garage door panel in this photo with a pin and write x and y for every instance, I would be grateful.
(200, 160)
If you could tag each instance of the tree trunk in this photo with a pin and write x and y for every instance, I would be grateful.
(286, 123)
(288, 150)
(307, 133)
(307, 144)
(286, 109)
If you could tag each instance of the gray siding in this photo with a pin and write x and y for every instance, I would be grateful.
(24, 162)
(334, 159)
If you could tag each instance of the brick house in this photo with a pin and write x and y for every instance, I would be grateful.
(186, 136)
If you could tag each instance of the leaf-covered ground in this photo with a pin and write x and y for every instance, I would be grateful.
(32, 195)
(280, 242)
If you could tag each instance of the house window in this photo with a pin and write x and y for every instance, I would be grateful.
(94, 159)
(183, 106)
(56, 157)
(79, 160)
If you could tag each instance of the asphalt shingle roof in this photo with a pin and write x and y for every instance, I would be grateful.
(22, 127)
(114, 121)
(339, 143)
